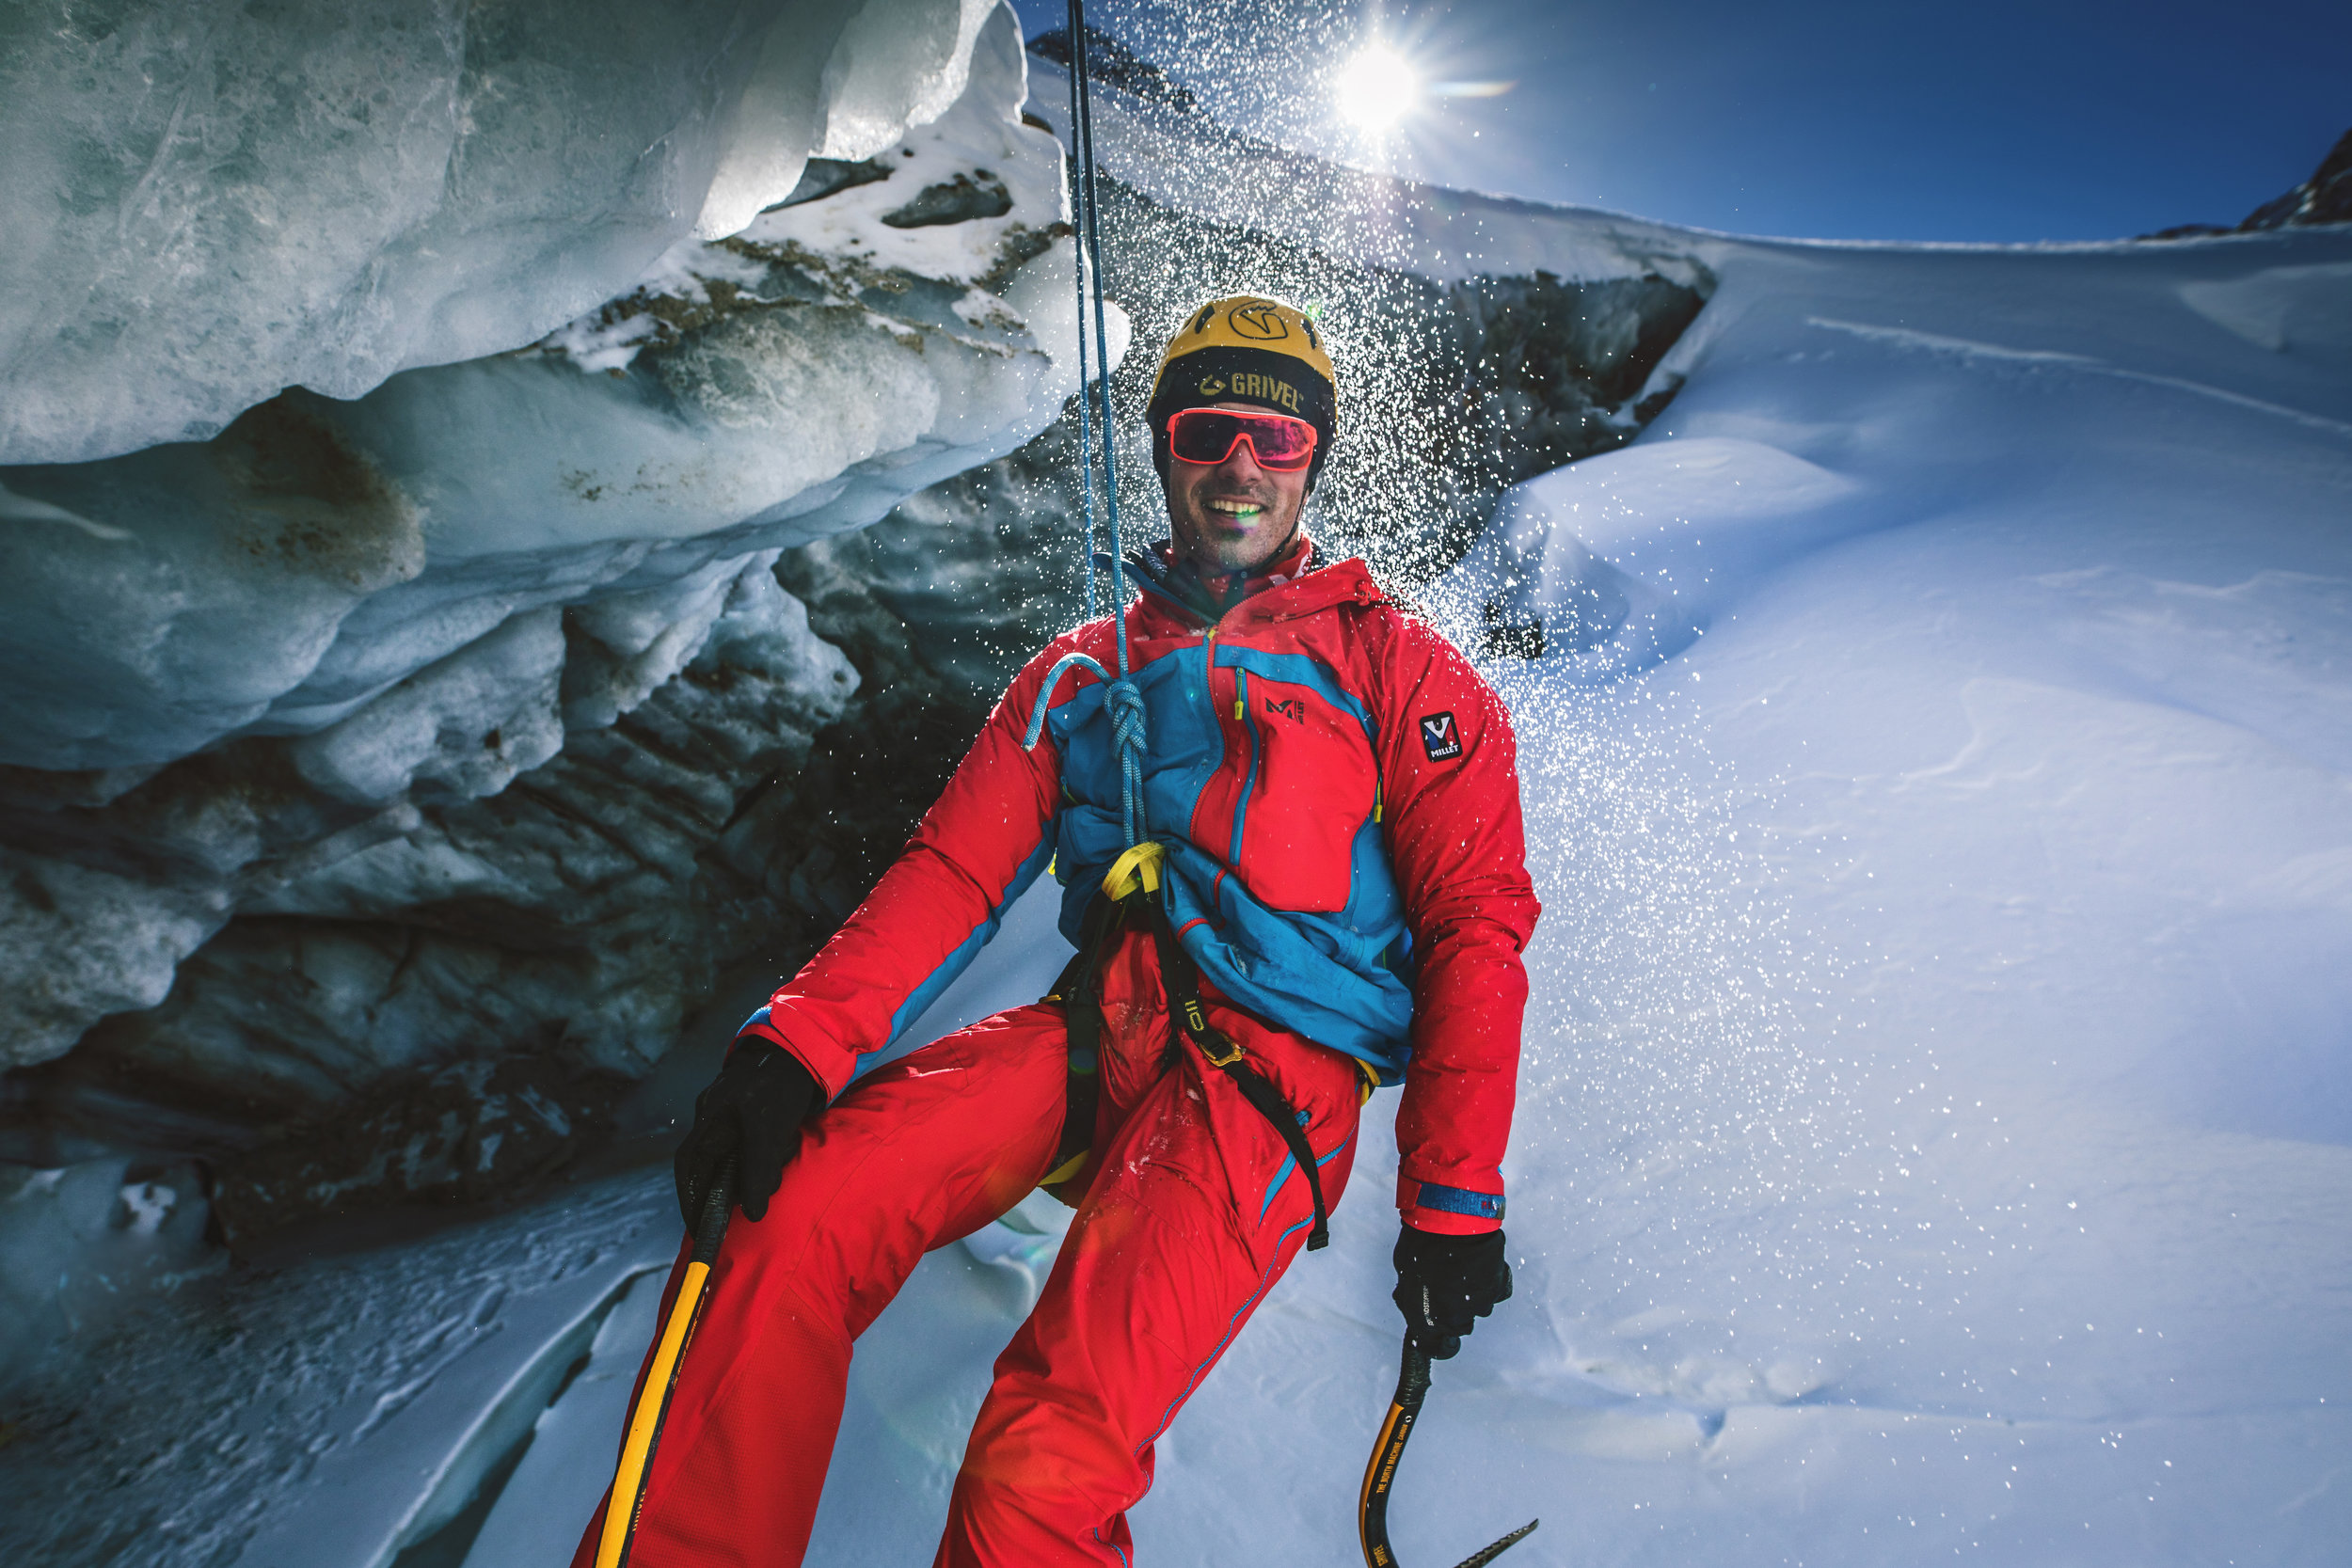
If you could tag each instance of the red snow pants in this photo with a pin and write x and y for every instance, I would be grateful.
(1191, 1208)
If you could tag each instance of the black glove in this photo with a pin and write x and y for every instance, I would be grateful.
(752, 1114)
(1445, 1284)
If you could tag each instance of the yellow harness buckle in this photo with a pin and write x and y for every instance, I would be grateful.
(1139, 867)
(1233, 1050)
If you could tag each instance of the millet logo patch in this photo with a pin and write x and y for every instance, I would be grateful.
(1438, 737)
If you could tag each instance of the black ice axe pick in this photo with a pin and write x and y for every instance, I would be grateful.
(1371, 1506)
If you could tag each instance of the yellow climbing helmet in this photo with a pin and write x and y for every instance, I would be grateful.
(1247, 348)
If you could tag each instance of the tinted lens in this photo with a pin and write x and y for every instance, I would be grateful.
(1210, 435)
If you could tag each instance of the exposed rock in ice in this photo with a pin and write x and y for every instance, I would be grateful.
(2325, 198)
(564, 917)
(207, 205)
(462, 1133)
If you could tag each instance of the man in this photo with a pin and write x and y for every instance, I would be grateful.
(1331, 896)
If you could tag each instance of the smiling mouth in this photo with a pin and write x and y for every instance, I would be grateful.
(1239, 510)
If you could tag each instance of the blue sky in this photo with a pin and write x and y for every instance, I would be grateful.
(1994, 120)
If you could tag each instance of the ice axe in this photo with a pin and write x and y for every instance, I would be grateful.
(1371, 1506)
(653, 1400)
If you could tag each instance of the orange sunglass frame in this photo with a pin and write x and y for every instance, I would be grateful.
(1244, 422)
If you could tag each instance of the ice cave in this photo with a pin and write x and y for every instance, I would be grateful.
(509, 514)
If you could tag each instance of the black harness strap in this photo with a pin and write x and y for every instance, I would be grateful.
(1181, 977)
(1080, 992)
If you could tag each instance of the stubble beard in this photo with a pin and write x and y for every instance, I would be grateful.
(1211, 544)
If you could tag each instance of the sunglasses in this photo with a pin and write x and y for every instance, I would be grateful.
(1210, 435)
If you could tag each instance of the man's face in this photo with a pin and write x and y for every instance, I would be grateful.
(1230, 515)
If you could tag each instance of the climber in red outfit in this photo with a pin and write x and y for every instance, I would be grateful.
(1332, 898)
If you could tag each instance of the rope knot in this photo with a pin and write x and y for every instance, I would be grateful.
(1128, 715)
(1129, 718)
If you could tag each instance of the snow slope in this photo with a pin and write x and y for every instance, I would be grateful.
(1934, 1119)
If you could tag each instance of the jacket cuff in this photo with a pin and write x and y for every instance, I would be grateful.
(760, 1027)
(1444, 1210)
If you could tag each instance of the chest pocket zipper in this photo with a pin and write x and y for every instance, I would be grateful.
(1250, 779)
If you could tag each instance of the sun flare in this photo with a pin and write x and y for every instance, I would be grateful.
(1377, 87)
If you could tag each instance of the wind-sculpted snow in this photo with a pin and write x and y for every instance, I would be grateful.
(1932, 1126)
(207, 203)
(318, 1414)
(441, 586)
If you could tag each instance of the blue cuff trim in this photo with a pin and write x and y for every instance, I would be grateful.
(1460, 1200)
(757, 1020)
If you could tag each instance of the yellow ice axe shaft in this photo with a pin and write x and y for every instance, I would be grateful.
(653, 1400)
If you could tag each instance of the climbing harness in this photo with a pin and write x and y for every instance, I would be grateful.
(1129, 899)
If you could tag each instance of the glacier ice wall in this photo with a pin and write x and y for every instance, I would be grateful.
(542, 741)
(230, 666)
(210, 202)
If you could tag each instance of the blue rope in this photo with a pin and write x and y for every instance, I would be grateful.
(1045, 694)
(1086, 401)
(1129, 718)
(1128, 733)
(1123, 701)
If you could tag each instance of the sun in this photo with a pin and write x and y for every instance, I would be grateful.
(1377, 89)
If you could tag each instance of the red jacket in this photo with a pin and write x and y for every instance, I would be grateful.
(1338, 793)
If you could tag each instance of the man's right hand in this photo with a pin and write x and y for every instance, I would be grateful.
(752, 1114)
(1445, 1284)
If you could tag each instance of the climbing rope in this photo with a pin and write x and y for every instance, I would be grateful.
(1122, 700)
(1086, 441)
